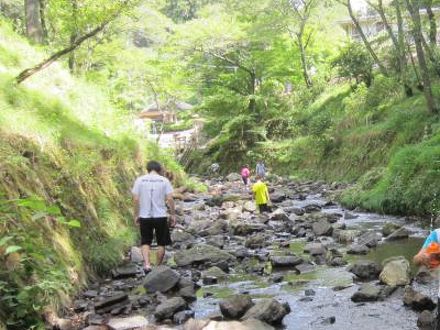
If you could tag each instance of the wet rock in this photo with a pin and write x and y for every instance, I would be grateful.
(426, 320)
(127, 323)
(370, 239)
(424, 276)
(390, 227)
(161, 279)
(183, 316)
(232, 214)
(312, 208)
(236, 306)
(217, 228)
(367, 292)
(296, 210)
(396, 272)
(309, 292)
(285, 261)
(80, 305)
(417, 301)
(241, 253)
(210, 324)
(188, 293)
(126, 271)
(169, 307)
(350, 216)
(357, 249)
(210, 280)
(401, 233)
(108, 303)
(90, 294)
(244, 229)
(322, 228)
(279, 215)
(256, 242)
(277, 278)
(269, 311)
(335, 258)
(200, 254)
(366, 270)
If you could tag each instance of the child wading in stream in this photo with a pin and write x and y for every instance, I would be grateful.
(151, 193)
(245, 174)
(261, 194)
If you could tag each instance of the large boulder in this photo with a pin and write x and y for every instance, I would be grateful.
(396, 272)
(322, 228)
(285, 261)
(357, 249)
(161, 279)
(390, 227)
(236, 306)
(315, 249)
(249, 206)
(169, 307)
(250, 324)
(367, 292)
(417, 301)
(366, 270)
(346, 236)
(269, 311)
(200, 254)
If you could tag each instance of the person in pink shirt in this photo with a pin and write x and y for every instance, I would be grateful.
(245, 174)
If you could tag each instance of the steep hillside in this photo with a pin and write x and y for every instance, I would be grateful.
(67, 162)
(375, 137)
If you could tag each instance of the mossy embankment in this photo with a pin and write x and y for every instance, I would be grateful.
(67, 161)
(388, 145)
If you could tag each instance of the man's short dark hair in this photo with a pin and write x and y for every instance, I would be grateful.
(152, 165)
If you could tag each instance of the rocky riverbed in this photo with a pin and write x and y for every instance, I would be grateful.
(309, 264)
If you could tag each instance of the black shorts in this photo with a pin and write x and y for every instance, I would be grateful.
(160, 228)
(245, 180)
(264, 208)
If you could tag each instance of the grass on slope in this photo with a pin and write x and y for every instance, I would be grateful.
(67, 162)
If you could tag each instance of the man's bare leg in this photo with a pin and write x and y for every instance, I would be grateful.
(160, 254)
(146, 254)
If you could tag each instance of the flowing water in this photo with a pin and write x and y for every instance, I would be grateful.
(316, 311)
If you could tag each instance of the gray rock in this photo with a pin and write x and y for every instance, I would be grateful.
(426, 320)
(217, 241)
(244, 229)
(401, 233)
(279, 215)
(127, 323)
(201, 254)
(214, 272)
(396, 272)
(277, 197)
(256, 242)
(249, 206)
(315, 249)
(269, 311)
(370, 239)
(136, 254)
(233, 177)
(214, 323)
(366, 270)
(357, 249)
(161, 279)
(183, 316)
(322, 228)
(417, 301)
(179, 236)
(350, 216)
(312, 208)
(367, 292)
(126, 271)
(108, 303)
(390, 227)
(285, 261)
(346, 236)
(169, 307)
(236, 306)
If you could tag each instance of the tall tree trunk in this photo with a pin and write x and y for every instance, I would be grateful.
(73, 35)
(432, 23)
(302, 51)
(365, 40)
(43, 19)
(34, 30)
(413, 9)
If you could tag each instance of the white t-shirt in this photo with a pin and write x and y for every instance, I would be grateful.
(152, 190)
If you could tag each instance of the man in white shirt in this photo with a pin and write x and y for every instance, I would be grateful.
(151, 194)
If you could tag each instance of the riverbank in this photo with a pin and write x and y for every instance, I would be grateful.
(311, 262)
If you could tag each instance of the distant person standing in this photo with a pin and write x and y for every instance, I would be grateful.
(260, 169)
(151, 193)
(245, 174)
(261, 195)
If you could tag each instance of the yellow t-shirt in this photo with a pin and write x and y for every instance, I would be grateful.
(260, 191)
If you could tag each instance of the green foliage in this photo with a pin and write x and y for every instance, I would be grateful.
(354, 62)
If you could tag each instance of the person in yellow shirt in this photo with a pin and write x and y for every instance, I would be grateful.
(261, 194)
